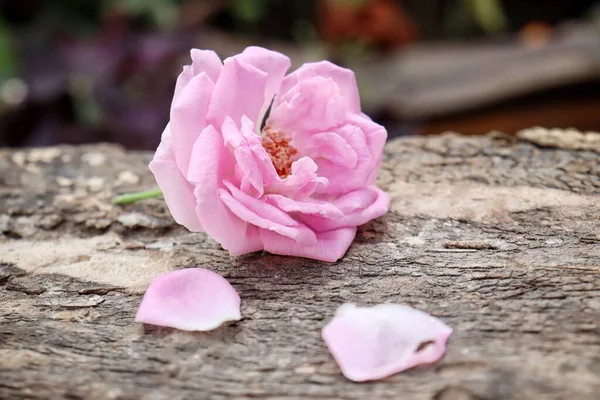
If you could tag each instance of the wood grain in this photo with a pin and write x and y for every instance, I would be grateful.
(497, 237)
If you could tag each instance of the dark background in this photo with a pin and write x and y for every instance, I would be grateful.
(78, 71)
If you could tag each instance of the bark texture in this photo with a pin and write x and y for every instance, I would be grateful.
(498, 237)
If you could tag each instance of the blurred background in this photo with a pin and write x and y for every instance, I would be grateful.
(80, 71)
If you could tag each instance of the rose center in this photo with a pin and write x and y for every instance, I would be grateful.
(279, 149)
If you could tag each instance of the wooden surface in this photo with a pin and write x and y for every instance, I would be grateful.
(500, 239)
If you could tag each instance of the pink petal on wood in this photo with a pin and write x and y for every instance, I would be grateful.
(191, 299)
(370, 343)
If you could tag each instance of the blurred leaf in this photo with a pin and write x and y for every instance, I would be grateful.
(86, 108)
(304, 31)
(489, 15)
(248, 11)
(163, 13)
(350, 3)
(8, 58)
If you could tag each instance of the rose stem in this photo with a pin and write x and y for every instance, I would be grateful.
(130, 198)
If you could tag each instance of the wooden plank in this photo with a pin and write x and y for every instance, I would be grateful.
(525, 306)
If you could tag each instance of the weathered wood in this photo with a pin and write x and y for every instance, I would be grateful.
(499, 238)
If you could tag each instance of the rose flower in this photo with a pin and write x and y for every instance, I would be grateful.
(263, 161)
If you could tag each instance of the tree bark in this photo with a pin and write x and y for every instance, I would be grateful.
(500, 238)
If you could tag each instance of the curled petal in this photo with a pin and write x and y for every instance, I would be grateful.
(244, 156)
(303, 180)
(370, 343)
(323, 209)
(191, 299)
(298, 233)
(313, 104)
(178, 192)
(359, 207)
(353, 178)
(330, 246)
(344, 78)
(261, 207)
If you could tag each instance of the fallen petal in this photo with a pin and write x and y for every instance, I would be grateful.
(191, 299)
(370, 343)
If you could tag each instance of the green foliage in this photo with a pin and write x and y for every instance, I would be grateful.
(162, 13)
(351, 3)
(87, 110)
(489, 15)
(466, 18)
(248, 12)
(8, 58)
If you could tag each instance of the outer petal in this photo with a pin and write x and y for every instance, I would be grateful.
(375, 136)
(211, 163)
(330, 247)
(375, 342)
(344, 78)
(178, 192)
(239, 91)
(182, 80)
(188, 117)
(191, 299)
(206, 61)
(274, 64)
(359, 207)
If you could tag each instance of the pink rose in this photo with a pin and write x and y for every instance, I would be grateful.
(298, 186)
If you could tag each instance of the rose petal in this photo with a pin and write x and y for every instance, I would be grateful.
(261, 207)
(333, 148)
(206, 61)
(313, 104)
(359, 207)
(191, 299)
(183, 79)
(247, 162)
(370, 343)
(344, 78)
(209, 165)
(239, 91)
(187, 117)
(330, 246)
(375, 136)
(302, 182)
(353, 178)
(254, 163)
(323, 209)
(274, 64)
(298, 233)
(177, 191)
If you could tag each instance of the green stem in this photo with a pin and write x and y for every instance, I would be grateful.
(130, 198)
